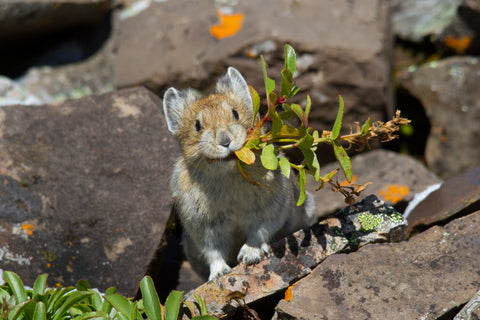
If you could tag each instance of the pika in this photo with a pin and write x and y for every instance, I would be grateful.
(226, 219)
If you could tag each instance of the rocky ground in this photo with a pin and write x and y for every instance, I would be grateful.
(85, 155)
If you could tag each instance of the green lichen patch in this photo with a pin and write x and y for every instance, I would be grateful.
(369, 222)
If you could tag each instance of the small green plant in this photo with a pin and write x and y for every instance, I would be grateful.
(284, 136)
(82, 303)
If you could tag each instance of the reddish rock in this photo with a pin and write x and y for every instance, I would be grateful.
(84, 189)
(424, 278)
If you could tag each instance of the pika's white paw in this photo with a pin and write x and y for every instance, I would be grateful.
(218, 269)
(251, 255)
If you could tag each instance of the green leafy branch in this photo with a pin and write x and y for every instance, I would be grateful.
(285, 136)
(82, 303)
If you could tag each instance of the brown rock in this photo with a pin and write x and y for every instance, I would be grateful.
(426, 277)
(84, 188)
(449, 91)
(455, 196)
(395, 178)
(177, 49)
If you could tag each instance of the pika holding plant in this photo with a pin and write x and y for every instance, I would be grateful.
(285, 136)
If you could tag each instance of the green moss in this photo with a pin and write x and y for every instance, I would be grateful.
(369, 222)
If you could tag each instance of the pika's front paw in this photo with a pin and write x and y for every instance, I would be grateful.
(251, 255)
(218, 269)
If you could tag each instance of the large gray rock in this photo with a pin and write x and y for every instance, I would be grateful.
(395, 178)
(169, 43)
(423, 278)
(449, 91)
(84, 192)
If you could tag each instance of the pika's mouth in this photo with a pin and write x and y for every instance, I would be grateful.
(230, 157)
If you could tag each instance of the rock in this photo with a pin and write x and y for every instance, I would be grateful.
(471, 310)
(84, 192)
(292, 258)
(72, 81)
(454, 196)
(13, 93)
(413, 20)
(423, 278)
(449, 91)
(178, 49)
(24, 19)
(395, 178)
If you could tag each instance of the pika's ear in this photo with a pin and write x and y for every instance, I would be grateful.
(174, 103)
(233, 82)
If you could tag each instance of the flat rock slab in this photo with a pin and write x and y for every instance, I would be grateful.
(453, 196)
(179, 49)
(422, 278)
(83, 188)
(395, 178)
(290, 259)
(449, 90)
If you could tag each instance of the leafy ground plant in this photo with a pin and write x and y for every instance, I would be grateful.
(81, 302)
(283, 135)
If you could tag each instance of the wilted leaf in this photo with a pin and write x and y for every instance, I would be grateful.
(338, 121)
(288, 131)
(326, 178)
(245, 155)
(269, 157)
(343, 159)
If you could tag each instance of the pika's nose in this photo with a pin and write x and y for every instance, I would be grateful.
(224, 138)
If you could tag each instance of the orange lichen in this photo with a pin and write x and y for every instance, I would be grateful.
(458, 44)
(229, 25)
(28, 228)
(394, 192)
(289, 293)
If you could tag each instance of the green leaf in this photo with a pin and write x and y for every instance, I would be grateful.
(338, 122)
(256, 103)
(312, 162)
(343, 159)
(204, 317)
(202, 305)
(13, 280)
(365, 127)
(120, 303)
(82, 285)
(306, 142)
(97, 315)
(284, 166)
(299, 112)
(301, 186)
(269, 157)
(269, 83)
(40, 312)
(151, 302)
(73, 299)
(290, 57)
(277, 124)
(287, 81)
(308, 106)
(172, 305)
(294, 91)
(17, 312)
(123, 316)
(40, 284)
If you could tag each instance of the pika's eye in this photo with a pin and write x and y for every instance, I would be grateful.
(235, 114)
(198, 125)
